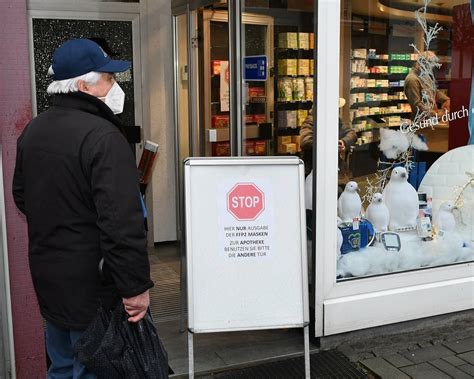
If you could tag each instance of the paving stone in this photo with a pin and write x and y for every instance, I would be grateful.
(468, 357)
(413, 347)
(428, 354)
(455, 361)
(382, 368)
(461, 346)
(468, 369)
(450, 369)
(398, 361)
(424, 371)
(425, 344)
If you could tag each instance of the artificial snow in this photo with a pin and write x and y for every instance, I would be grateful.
(414, 253)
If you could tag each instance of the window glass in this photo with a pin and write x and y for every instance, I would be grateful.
(406, 159)
(278, 59)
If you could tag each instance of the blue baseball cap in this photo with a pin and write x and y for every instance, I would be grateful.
(77, 57)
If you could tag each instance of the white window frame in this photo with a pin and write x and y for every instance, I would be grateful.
(367, 302)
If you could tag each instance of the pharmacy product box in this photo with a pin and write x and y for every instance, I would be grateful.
(220, 121)
(288, 40)
(288, 67)
(303, 39)
(303, 67)
(287, 119)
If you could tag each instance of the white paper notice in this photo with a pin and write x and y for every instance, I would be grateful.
(224, 87)
(246, 219)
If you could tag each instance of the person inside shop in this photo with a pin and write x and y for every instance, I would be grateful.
(347, 138)
(414, 86)
(77, 183)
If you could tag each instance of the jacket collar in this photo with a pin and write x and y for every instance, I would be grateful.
(87, 103)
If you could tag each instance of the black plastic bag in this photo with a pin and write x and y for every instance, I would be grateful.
(112, 347)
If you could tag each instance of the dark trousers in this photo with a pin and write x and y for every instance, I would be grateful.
(60, 346)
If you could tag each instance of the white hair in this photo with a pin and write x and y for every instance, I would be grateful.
(70, 85)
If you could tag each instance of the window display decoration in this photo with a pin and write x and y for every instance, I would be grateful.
(460, 190)
(402, 201)
(350, 204)
(378, 213)
(446, 243)
(399, 147)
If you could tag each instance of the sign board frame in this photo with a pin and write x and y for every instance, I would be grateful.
(205, 176)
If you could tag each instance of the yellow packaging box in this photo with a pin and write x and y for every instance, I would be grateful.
(296, 140)
(288, 67)
(302, 114)
(311, 67)
(281, 141)
(288, 40)
(303, 67)
(311, 40)
(289, 148)
(303, 39)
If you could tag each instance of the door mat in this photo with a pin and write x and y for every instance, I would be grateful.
(324, 365)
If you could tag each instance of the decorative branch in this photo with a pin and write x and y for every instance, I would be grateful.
(428, 99)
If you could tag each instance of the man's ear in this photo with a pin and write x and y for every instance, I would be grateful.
(82, 86)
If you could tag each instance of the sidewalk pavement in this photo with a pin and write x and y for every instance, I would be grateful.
(443, 353)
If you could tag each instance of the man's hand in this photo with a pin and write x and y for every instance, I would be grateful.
(341, 146)
(446, 105)
(137, 306)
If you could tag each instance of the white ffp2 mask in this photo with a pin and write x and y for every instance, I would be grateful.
(115, 99)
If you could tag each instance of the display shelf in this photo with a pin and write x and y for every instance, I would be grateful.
(380, 75)
(382, 115)
(376, 128)
(294, 105)
(282, 132)
(292, 49)
(370, 89)
(295, 76)
(378, 102)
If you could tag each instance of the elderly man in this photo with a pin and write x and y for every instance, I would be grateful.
(414, 86)
(77, 183)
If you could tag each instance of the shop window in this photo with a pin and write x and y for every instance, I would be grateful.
(406, 159)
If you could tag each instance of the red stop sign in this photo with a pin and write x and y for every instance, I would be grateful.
(245, 201)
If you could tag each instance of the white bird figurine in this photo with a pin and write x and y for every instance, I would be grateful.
(340, 238)
(401, 200)
(444, 218)
(378, 213)
(349, 203)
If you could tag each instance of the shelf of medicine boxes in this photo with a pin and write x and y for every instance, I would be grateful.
(378, 102)
(383, 114)
(294, 105)
(380, 75)
(374, 89)
(282, 49)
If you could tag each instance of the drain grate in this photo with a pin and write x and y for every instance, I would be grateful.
(165, 295)
(324, 365)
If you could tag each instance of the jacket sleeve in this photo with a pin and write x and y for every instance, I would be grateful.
(347, 134)
(115, 191)
(306, 133)
(413, 94)
(18, 181)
